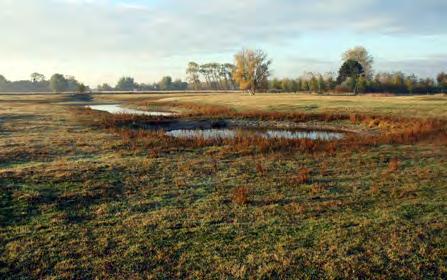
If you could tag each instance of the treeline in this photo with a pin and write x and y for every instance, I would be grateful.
(211, 76)
(39, 83)
(397, 83)
(65, 83)
(251, 72)
(129, 84)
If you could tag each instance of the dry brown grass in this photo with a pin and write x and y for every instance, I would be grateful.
(117, 202)
(260, 169)
(392, 131)
(241, 196)
(303, 176)
(393, 165)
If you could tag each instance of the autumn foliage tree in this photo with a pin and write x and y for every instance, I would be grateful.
(251, 70)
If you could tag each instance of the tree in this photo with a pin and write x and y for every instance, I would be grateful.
(104, 87)
(321, 84)
(193, 76)
(205, 70)
(349, 69)
(285, 85)
(82, 88)
(410, 83)
(252, 70)
(37, 77)
(72, 83)
(126, 84)
(179, 85)
(165, 83)
(313, 84)
(361, 84)
(361, 55)
(275, 84)
(215, 75)
(58, 83)
(330, 81)
(442, 81)
(228, 69)
(3, 82)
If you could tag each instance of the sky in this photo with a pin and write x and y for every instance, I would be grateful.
(102, 40)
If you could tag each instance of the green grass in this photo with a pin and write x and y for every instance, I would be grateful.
(77, 202)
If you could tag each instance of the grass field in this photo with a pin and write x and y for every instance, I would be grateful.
(82, 200)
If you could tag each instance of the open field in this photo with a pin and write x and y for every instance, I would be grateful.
(82, 197)
(422, 106)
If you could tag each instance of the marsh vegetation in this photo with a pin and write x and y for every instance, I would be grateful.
(90, 194)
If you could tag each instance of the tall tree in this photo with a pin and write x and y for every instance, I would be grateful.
(193, 76)
(229, 69)
(361, 55)
(350, 71)
(206, 73)
(215, 74)
(58, 83)
(252, 70)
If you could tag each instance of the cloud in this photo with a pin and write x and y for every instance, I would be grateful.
(113, 35)
(424, 66)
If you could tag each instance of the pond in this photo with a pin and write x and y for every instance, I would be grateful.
(117, 109)
(216, 129)
(229, 133)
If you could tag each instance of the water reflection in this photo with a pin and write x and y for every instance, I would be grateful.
(232, 133)
(117, 109)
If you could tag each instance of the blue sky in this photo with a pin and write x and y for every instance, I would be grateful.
(101, 40)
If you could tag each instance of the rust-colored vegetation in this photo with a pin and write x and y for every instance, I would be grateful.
(387, 130)
(393, 165)
(303, 176)
(240, 195)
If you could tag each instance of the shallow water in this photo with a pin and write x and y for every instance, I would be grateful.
(117, 109)
(227, 133)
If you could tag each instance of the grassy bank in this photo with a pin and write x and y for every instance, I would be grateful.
(80, 200)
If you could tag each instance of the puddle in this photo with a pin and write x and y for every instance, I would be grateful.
(228, 133)
(117, 109)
